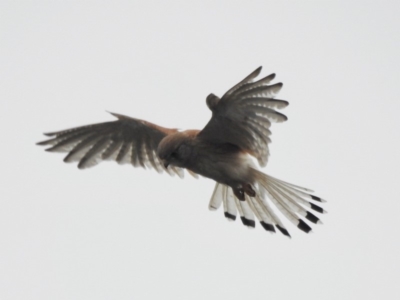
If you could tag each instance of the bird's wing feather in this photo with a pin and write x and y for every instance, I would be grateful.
(126, 140)
(244, 114)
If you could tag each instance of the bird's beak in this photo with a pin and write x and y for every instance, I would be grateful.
(166, 163)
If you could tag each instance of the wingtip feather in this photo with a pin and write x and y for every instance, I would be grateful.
(49, 133)
(42, 143)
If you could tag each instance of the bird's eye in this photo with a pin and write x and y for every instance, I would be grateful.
(174, 155)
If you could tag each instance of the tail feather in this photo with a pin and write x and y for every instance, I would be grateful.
(287, 183)
(246, 213)
(229, 204)
(295, 195)
(288, 199)
(298, 208)
(265, 220)
(264, 203)
(216, 197)
(224, 195)
(281, 205)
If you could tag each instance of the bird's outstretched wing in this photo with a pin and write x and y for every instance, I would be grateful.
(244, 114)
(126, 140)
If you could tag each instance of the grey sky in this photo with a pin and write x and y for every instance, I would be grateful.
(115, 232)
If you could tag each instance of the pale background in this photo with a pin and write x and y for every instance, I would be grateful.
(115, 232)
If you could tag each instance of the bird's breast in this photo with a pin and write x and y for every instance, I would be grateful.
(223, 163)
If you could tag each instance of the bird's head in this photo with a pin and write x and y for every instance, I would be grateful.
(175, 149)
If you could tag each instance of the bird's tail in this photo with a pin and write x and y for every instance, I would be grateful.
(273, 197)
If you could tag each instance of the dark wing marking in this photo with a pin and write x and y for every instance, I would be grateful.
(244, 114)
(126, 140)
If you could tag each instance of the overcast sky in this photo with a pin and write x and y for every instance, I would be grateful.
(115, 232)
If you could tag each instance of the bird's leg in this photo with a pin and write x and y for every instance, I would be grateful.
(242, 190)
(239, 193)
(248, 189)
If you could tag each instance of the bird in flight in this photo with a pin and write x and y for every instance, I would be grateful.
(225, 150)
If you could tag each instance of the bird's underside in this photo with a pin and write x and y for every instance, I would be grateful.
(222, 151)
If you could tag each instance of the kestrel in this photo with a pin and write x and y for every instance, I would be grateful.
(225, 150)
